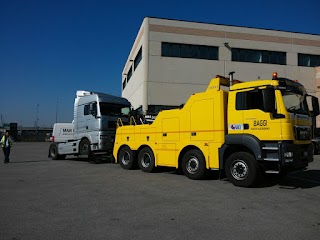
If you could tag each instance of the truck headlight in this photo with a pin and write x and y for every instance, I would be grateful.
(288, 154)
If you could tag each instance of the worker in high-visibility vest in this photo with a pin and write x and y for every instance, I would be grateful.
(6, 143)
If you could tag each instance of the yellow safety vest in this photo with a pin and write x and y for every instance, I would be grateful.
(3, 141)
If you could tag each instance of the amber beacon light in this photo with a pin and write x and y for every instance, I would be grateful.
(274, 75)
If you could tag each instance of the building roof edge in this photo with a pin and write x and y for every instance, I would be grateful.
(179, 20)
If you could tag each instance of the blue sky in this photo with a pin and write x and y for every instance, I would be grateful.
(51, 48)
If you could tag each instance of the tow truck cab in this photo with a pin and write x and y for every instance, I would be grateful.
(272, 119)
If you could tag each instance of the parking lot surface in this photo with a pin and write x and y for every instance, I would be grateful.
(74, 199)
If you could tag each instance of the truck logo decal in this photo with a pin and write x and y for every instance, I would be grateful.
(67, 130)
(236, 127)
(260, 123)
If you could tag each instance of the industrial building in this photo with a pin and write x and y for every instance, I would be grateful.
(171, 59)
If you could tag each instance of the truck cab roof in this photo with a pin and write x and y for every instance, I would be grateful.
(103, 97)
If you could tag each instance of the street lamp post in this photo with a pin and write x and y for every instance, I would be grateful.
(57, 108)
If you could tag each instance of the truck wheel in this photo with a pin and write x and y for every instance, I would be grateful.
(53, 152)
(84, 147)
(242, 169)
(146, 160)
(193, 164)
(127, 158)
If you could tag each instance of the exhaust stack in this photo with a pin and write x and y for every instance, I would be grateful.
(231, 77)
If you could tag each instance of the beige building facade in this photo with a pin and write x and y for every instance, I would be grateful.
(172, 59)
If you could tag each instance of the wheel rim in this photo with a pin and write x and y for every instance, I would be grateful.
(146, 160)
(192, 165)
(125, 158)
(239, 169)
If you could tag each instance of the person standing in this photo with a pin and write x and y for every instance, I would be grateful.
(6, 143)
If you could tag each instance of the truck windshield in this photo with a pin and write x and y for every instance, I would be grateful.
(295, 102)
(110, 109)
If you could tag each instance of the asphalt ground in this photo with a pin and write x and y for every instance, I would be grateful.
(74, 199)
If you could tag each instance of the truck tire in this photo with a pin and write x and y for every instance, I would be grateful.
(127, 158)
(146, 160)
(84, 147)
(242, 169)
(194, 165)
(53, 152)
(316, 149)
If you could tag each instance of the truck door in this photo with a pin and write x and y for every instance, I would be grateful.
(166, 154)
(80, 121)
(253, 119)
(87, 118)
(91, 118)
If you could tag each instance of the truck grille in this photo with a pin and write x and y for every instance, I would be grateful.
(112, 124)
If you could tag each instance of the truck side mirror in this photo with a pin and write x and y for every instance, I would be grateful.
(269, 100)
(315, 106)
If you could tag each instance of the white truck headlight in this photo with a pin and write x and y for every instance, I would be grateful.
(288, 154)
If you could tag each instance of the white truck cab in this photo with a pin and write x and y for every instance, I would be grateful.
(93, 127)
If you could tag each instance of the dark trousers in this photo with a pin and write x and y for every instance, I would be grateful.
(6, 152)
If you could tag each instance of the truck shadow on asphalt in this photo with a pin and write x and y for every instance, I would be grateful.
(90, 160)
(305, 179)
(299, 180)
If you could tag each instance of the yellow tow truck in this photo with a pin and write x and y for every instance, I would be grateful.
(243, 128)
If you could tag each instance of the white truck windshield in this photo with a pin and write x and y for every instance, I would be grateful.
(108, 109)
(295, 103)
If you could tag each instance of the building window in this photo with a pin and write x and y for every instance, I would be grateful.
(124, 84)
(138, 58)
(189, 51)
(129, 74)
(308, 60)
(175, 50)
(165, 49)
(155, 109)
(258, 56)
